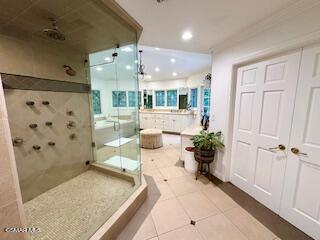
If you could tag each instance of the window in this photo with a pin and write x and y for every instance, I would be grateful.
(172, 98)
(160, 100)
(206, 101)
(194, 97)
(119, 98)
(132, 98)
(96, 101)
(139, 98)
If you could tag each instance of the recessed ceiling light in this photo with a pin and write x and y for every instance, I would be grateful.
(128, 67)
(187, 35)
(173, 60)
(126, 49)
(108, 59)
(148, 76)
(157, 69)
(99, 68)
(158, 49)
(174, 74)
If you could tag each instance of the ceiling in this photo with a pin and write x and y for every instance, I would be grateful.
(87, 24)
(212, 22)
(124, 67)
(121, 68)
(186, 63)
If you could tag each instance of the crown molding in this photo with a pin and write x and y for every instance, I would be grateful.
(284, 14)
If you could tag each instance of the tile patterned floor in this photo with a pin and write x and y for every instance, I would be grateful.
(77, 208)
(175, 198)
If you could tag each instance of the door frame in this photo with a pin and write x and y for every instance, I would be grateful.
(281, 49)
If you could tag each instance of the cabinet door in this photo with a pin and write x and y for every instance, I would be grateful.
(153, 123)
(147, 121)
(184, 122)
(177, 121)
(142, 121)
(168, 124)
(158, 123)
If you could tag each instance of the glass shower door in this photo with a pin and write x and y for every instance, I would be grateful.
(106, 100)
(129, 113)
(116, 127)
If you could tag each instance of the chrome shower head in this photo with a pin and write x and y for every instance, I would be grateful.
(54, 32)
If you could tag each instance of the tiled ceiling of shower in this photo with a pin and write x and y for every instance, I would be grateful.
(87, 24)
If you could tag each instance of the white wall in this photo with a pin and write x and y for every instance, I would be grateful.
(196, 80)
(163, 84)
(292, 32)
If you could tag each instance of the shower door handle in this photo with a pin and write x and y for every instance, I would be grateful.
(116, 126)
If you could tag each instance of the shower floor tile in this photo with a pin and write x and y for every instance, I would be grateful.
(77, 208)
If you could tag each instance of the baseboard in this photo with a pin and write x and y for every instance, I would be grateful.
(219, 175)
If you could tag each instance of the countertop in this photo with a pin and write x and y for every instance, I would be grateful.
(192, 130)
(167, 112)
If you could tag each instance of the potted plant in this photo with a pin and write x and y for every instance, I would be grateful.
(207, 143)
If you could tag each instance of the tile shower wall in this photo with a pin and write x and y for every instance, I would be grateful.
(33, 56)
(11, 214)
(50, 166)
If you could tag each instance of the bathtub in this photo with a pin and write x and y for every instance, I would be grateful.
(110, 130)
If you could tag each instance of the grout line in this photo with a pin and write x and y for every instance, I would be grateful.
(154, 225)
(235, 226)
(211, 215)
(216, 205)
(173, 229)
(198, 231)
(174, 196)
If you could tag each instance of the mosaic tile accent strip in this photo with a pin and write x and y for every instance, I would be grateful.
(11, 81)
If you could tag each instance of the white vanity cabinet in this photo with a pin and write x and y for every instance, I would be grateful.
(169, 122)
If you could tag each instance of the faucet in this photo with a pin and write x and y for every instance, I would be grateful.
(17, 141)
(71, 124)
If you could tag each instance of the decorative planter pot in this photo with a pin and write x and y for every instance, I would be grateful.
(204, 159)
(204, 153)
(190, 164)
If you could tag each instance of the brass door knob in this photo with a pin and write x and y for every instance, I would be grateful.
(279, 147)
(296, 151)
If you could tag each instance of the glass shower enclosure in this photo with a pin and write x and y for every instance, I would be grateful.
(115, 108)
(73, 112)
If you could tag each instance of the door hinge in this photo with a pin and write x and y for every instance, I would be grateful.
(93, 144)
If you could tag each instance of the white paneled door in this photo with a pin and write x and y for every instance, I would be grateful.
(263, 116)
(301, 195)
